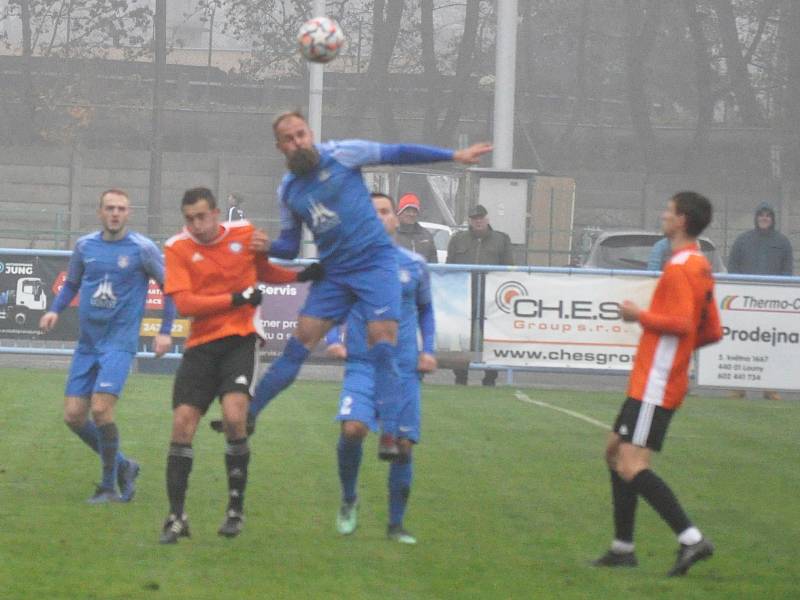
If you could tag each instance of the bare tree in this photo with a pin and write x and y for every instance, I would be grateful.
(63, 29)
(703, 83)
(270, 27)
(431, 70)
(29, 97)
(579, 106)
(791, 103)
(642, 28)
(386, 18)
(466, 51)
(741, 86)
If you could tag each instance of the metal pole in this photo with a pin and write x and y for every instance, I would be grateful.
(505, 67)
(159, 68)
(210, 53)
(315, 74)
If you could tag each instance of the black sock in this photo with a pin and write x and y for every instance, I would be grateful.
(661, 498)
(237, 457)
(179, 465)
(108, 446)
(624, 499)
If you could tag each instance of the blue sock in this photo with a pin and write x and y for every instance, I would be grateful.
(349, 452)
(109, 445)
(400, 475)
(88, 433)
(387, 384)
(280, 375)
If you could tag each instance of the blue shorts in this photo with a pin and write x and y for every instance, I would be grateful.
(375, 290)
(357, 401)
(104, 373)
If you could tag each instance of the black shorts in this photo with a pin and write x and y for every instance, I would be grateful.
(643, 424)
(210, 370)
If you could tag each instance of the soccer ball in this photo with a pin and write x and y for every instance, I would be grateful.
(320, 39)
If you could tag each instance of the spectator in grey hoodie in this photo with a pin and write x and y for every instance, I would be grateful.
(762, 251)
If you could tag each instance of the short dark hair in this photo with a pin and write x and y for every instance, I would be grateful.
(296, 113)
(193, 195)
(382, 195)
(117, 191)
(697, 210)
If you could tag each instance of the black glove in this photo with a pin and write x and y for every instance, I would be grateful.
(313, 272)
(251, 296)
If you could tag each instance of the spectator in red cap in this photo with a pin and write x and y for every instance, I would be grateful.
(411, 234)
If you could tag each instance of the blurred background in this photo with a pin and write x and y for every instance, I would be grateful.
(617, 105)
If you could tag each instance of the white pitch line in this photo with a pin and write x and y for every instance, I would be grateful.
(525, 398)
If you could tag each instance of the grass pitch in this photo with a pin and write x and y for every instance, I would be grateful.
(510, 500)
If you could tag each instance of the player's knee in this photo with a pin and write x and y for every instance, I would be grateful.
(184, 424)
(405, 448)
(102, 415)
(76, 411)
(383, 338)
(74, 419)
(354, 430)
(627, 471)
(382, 331)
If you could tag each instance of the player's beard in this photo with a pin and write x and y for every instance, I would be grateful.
(303, 161)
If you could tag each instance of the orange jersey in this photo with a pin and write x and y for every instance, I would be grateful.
(683, 316)
(202, 277)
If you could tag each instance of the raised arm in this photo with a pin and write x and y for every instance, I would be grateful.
(357, 153)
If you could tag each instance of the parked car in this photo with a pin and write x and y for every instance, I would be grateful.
(441, 237)
(631, 250)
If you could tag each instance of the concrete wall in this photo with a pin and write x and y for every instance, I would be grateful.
(49, 196)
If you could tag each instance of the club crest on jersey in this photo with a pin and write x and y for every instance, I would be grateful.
(235, 247)
(322, 218)
(197, 257)
(104, 296)
(404, 276)
(123, 262)
(324, 175)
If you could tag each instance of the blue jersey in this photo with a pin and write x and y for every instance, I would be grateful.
(335, 205)
(112, 278)
(416, 313)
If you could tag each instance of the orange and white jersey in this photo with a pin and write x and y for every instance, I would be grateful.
(201, 278)
(682, 316)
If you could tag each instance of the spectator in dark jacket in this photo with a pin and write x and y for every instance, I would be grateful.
(480, 245)
(762, 250)
(411, 234)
